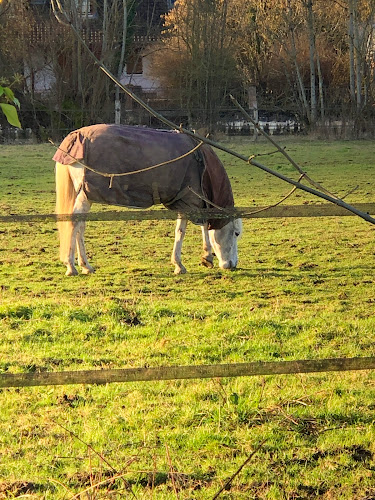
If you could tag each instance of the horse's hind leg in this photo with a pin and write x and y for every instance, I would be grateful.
(81, 250)
(69, 260)
(207, 256)
(81, 206)
(65, 200)
(177, 247)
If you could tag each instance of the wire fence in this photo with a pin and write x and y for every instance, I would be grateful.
(39, 125)
(281, 211)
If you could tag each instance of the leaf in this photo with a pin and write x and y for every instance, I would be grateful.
(9, 93)
(234, 398)
(11, 115)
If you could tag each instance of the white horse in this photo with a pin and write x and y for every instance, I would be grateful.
(72, 199)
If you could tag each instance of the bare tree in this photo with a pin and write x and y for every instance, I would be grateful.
(361, 43)
(199, 44)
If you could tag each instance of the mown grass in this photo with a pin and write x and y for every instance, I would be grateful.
(304, 289)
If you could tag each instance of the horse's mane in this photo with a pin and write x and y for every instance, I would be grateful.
(216, 185)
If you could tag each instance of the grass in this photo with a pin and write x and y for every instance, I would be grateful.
(304, 289)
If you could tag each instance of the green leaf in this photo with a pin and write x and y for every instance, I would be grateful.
(9, 93)
(1, 90)
(234, 398)
(11, 115)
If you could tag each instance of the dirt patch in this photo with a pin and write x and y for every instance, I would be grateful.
(18, 488)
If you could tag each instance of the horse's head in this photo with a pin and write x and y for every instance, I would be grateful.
(224, 243)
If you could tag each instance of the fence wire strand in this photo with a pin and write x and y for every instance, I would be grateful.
(273, 211)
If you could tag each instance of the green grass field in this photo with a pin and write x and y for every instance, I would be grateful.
(304, 289)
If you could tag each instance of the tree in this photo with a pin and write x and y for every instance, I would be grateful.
(197, 45)
(304, 53)
(361, 46)
(106, 32)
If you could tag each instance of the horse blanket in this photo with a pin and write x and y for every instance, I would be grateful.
(119, 149)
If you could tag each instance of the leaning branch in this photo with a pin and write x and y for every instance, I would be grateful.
(279, 148)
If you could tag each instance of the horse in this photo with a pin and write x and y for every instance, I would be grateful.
(139, 167)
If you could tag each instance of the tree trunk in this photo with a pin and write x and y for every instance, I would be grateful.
(121, 62)
(357, 58)
(321, 91)
(312, 50)
(351, 53)
(253, 106)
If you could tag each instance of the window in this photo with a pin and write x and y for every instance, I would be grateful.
(87, 8)
(134, 64)
(39, 2)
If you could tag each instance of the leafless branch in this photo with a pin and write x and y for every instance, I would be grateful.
(227, 484)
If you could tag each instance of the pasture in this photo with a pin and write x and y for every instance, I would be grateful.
(304, 288)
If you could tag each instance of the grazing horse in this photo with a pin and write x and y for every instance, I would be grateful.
(140, 167)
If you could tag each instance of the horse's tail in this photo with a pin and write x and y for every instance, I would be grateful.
(65, 198)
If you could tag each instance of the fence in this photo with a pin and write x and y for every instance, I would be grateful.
(231, 123)
(281, 211)
(8, 380)
(185, 372)
(339, 208)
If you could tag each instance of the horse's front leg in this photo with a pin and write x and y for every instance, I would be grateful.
(177, 247)
(207, 256)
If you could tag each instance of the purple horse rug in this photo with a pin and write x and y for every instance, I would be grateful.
(118, 160)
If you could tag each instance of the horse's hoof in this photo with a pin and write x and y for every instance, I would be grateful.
(180, 270)
(71, 272)
(87, 270)
(207, 263)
